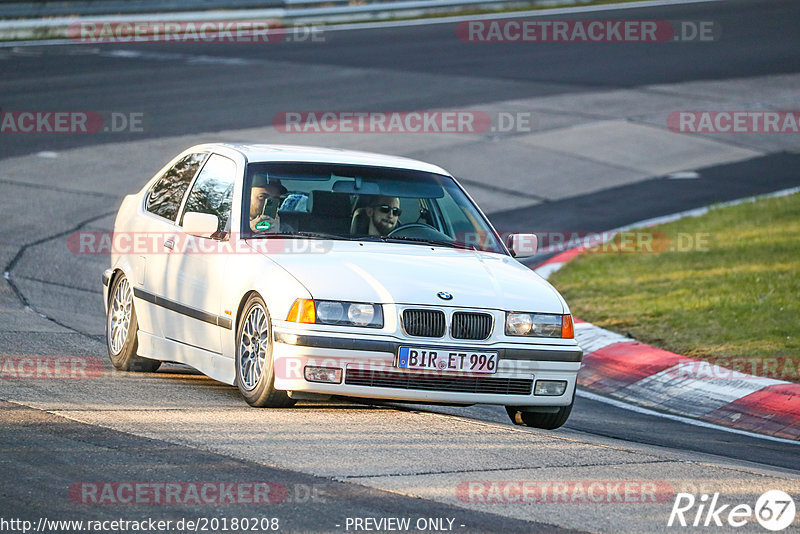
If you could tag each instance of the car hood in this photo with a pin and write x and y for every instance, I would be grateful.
(414, 274)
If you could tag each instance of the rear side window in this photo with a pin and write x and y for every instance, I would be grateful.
(212, 192)
(166, 195)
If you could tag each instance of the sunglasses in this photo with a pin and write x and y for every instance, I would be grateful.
(383, 208)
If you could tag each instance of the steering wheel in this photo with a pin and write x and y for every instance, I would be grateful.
(420, 230)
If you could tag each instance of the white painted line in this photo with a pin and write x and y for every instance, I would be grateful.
(169, 16)
(592, 338)
(547, 269)
(684, 175)
(673, 390)
(43, 42)
(270, 13)
(687, 420)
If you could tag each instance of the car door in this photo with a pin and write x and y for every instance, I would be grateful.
(155, 234)
(195, 269)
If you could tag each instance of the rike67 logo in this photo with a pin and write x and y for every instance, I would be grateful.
(774, 510)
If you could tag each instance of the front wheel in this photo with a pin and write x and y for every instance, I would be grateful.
(255, 374)
(545, 420)
(121, 329)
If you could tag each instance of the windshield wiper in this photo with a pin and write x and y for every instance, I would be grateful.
(434, 242)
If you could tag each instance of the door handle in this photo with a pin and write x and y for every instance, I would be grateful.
(169, 243)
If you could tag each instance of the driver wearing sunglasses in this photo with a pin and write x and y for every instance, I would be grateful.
(383, 215)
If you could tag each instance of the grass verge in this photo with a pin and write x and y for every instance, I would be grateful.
(723, 285)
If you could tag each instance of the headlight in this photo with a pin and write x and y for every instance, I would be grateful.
(362, 314)
(329, 312)
(539, 325)
(337, 313)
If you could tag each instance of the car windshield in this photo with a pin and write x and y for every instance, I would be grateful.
(338, 201)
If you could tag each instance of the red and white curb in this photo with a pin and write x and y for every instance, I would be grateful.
(624, 369)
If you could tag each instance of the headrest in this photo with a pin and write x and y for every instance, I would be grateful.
(331, 204)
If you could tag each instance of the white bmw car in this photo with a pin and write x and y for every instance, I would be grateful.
(301, 273)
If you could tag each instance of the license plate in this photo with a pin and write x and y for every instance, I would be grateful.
(436, 359)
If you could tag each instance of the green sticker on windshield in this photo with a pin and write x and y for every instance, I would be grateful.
(263, 226)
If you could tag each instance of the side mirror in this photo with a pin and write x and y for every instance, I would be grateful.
(200, 224)
(522, 245)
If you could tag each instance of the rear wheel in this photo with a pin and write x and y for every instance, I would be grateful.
(121, 329)
(255, 375)
(551, 419)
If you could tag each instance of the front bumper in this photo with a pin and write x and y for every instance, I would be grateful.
(368, 370)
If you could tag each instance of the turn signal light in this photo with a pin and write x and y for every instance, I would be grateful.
(302, 312)
(567, 330)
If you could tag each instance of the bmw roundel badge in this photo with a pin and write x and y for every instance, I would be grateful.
(444, 295)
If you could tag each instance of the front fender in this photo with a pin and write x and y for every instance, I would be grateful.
(247, 273)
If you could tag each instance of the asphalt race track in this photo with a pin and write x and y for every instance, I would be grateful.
(344, 459)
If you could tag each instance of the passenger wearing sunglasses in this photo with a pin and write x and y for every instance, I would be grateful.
(383, 214)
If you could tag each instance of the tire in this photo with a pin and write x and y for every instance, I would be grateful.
(546, 421)
(255, 376)
(121, 329)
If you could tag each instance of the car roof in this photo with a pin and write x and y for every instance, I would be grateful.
(311, 154)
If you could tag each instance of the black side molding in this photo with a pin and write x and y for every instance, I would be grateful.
(194, 313)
